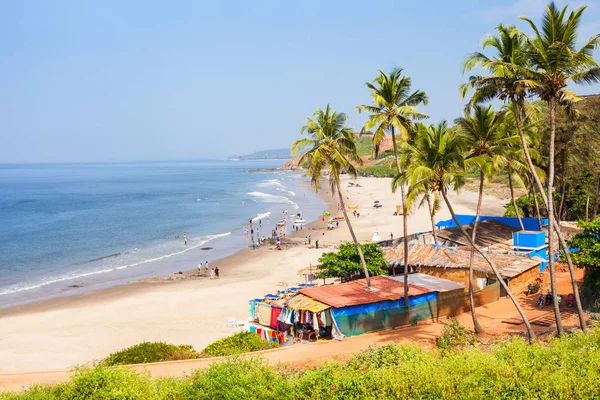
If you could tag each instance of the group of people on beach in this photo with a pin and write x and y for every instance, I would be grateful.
(214, 272)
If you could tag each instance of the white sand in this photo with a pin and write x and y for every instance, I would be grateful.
(65, 332)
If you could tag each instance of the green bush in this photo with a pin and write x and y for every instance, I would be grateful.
(565, 368)
(379, 171)
(242, 342)
(454, 335)
(148, 352)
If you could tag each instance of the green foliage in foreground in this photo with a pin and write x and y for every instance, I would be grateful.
(566, 368)
(455, 336)
(588, 257)
(379, 171)
(148, 352)
(346, 261)
(242, 342)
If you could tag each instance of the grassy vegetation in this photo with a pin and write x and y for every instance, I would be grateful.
(148, 352)
(242, 342)
(566, 368)
(380, 171)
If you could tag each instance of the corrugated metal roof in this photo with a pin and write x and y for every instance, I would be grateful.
(455, 257)
(489, 232)
(356, 292)
(429, 282)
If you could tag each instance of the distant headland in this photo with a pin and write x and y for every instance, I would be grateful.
(277, 154)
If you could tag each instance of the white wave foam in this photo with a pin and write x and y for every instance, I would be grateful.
(270, 183)
(271, 198)
(286, 191)
(19, 288)
(261, 216)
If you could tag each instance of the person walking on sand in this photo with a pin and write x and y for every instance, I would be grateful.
(184, 238)
(206, 266)
(309, 239)
(391, 236)
(216, 272)
(212, 273)
(200, 268)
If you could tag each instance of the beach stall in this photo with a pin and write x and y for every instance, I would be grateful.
(357, 310)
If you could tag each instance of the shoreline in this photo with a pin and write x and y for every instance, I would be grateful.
(68, 331)
(133, 287)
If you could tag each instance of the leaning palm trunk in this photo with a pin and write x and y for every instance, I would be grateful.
(435, 240)
(404, 216)
(530, 332)
(587, 209)
(560, 213)
(512, 197)
(358, 249)
(537, 206)
(476, 325)
(559, 328)
(561, 238)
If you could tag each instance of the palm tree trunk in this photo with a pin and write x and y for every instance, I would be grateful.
(512, 197)
(435, 240)
(561, 213)
(530, 332)
(553, 288)
(587, 209)
(561, 238)
(404, 218)
(358, 249)
(476, 325)
(537, 206)
(596, 202)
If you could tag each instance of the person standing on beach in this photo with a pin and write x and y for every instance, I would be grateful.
(206, 266)
(391, 236)
(212, 273)
(184, 238)
(309, 239)
(200, 268)
(216, 272)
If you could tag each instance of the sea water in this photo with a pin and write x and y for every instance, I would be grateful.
(68, 228)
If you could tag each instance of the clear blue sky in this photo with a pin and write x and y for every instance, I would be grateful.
(158, 80)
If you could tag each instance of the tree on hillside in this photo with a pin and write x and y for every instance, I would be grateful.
(552, 61)
(436, 158)
(588, 257)
(346, 262)
(332, 148)
(393, 111)
(510, 80)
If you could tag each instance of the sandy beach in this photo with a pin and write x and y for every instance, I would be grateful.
(69, 331)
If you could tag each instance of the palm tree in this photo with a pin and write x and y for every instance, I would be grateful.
(485, 145)
(332, 148)
(420, 195)
(508, 82)
(553, 61)
(394, 108)
(436, 158)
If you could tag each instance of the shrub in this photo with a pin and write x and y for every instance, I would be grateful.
(242, 342)
(379, 171)
(454, 335)
(148, 352)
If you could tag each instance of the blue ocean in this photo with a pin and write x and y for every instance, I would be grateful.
(68, 228)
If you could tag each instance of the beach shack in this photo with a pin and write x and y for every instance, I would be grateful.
(452, 263)
(357, 310)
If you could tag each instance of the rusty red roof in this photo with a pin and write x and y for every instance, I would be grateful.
(355, 292)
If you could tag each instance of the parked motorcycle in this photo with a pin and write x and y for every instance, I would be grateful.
(540, 301)
(549, 298)
(533, 288)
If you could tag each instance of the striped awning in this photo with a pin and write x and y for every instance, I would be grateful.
(302, 302)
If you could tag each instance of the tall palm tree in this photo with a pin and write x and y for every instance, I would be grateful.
(436, 158)
(394, 108)
(484, 144)
(420, 195)
(508, 82)
(552, 61)
(332, 148)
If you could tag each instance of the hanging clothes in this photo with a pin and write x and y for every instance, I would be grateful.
(275, 311)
